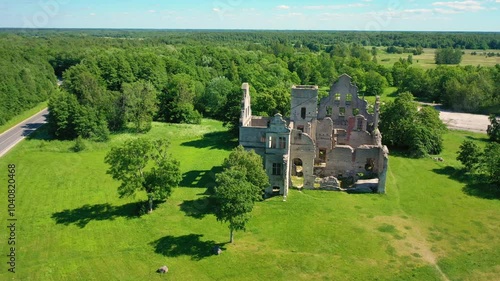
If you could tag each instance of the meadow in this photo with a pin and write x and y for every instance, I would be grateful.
(433, 224)
(426, 60)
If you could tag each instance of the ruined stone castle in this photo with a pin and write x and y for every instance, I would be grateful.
(334, 144)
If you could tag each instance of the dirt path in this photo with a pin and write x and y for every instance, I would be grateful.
(465, 121)
(412, 240)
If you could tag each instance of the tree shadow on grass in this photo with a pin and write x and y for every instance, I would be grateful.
(484, 140)
(98, 212)
(215, 140)
(198, 208)
(199, 178)
(186, 245)
(475, 185)
(393, 94)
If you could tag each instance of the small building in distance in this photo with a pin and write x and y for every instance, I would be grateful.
(334, 144)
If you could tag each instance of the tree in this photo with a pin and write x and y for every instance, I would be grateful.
(215, 96)
(234, 197)
(141, 104)
(469, 155)
(494, 129)
(90, 124)
(230, 112)
(176, 103)
(491, 162)
(415, 81)
(129, 163)
(239, 186)
(404, 126)
(448, 56)
(62, 110)
(249, 162)
(375, 83)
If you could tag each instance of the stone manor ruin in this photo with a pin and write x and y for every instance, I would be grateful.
(335, 145)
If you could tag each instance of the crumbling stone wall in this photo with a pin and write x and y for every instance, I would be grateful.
(338, 138)
(303, 148)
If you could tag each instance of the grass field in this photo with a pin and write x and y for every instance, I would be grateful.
(426, 60)
(72, 225)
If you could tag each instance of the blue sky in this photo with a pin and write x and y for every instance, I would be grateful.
(374, 15)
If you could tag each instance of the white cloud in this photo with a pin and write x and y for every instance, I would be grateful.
(92, 14)
(283, 7)
(465, 6)
(335, 7)
(446, 11)
(217, 10)
(152, 11)
(417, 11)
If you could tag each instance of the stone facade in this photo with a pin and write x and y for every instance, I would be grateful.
(334, 138)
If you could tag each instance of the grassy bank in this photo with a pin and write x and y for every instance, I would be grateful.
(22, 116)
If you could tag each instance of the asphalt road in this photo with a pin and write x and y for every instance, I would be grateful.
(13, 136)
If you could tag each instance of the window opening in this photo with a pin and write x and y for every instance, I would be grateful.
(277, 169)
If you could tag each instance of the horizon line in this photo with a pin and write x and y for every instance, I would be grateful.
(238, 29)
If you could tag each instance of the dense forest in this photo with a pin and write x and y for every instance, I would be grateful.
(26, 76)
(118, 77)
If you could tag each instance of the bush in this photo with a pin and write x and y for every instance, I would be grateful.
(469, 155)
(494, 129)
(79, 145)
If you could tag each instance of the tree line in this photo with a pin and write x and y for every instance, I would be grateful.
(405, 39)
(113, 78)
(26, 77)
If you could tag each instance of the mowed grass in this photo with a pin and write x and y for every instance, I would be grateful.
(427, 59)
(72, 225)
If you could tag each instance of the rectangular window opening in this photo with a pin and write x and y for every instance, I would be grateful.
(342, 111)
(329, 111)
(303, 113)
(360, 124)
(282, 142)
(277, 167)
(322, 155)
(272, 142)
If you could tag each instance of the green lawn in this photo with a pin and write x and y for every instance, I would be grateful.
(72, 225)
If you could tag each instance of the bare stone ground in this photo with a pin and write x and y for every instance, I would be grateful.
(463, 121)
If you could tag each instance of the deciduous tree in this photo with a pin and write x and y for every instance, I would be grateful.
(469, 155)
(239, 186)
(404, 126)
(494, 128)
(491, 162)
(142, 164)
(141, 104)
(448, 56)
